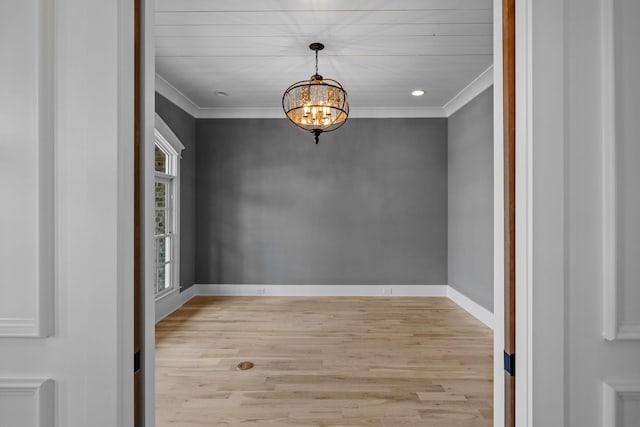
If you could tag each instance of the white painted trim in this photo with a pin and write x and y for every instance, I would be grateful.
(173, 301)
(628, 330)
(471, 307)
(42, 392)
(167, 135)
(610, 283)
(18, 328)
(473, 89)
(176, 300)
(240, 113)
(614, 325)
(45, 321)
(167, 90)
(498, 223)
(149, 84)
(171, 144)
(609, 405)
(612, 393)
(166, 295)
(524, 213)
(396, 113)
(125, 394)
(323, 290)
(38, 320)
(354, 113)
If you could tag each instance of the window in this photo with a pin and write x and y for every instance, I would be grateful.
(166, 205)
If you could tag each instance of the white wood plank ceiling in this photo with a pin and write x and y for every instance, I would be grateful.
(380, 50)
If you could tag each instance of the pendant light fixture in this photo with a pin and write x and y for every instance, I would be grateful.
(317, 105)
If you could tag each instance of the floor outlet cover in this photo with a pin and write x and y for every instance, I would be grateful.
(245, 365)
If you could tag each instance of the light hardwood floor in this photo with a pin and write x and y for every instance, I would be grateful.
(345, 361)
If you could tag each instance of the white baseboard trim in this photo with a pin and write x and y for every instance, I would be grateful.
(169, 304)
(471, 307)
(467, 304)
(324, 290)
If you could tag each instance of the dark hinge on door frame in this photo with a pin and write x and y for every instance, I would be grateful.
(136, 361)
(510, 364)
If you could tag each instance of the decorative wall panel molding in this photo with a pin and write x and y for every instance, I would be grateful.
(27, 402)
(26, 168)
(621, 404)
(621, 203)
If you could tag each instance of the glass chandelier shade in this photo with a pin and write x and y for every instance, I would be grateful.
(317, 105)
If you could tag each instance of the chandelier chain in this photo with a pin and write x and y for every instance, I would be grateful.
(316, 62)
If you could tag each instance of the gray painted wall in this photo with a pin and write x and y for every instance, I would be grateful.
(368, 205)
(184, 126)
(470, 170)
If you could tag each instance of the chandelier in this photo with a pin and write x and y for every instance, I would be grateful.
(316, 105)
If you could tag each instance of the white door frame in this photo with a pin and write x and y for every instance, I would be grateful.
(148, 114)
(498, 220)
(548, 184)
(540, 213)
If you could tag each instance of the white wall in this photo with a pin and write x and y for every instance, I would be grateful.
(87, 356)
(578, 267)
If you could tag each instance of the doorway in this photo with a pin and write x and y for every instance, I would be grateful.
(498, 301)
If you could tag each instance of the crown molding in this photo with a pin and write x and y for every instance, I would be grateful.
(167, 90)
(240, 113)
(397, 112)
(473, 89)
(354, 113)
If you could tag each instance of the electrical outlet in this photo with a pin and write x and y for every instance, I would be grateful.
(260, 291)
(387, 291)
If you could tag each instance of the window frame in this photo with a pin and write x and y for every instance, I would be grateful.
(168, 142)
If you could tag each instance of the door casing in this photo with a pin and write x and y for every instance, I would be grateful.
(524, 201)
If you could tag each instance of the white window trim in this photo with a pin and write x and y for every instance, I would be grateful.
(166, 134)
(167, 140)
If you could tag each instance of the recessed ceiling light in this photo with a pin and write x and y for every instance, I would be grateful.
(418, 92)
(220, 93)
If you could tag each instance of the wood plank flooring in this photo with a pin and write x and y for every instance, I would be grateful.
(340, 361)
